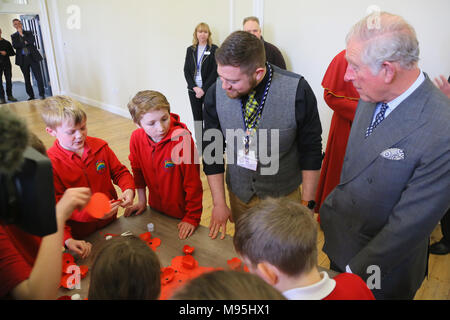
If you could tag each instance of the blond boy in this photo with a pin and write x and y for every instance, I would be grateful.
(82, 161)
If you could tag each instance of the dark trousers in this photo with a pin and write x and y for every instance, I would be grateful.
(5, 69)
(197, 112)
(196, 106)
(36, 69)
(445, 227)
(334, 267)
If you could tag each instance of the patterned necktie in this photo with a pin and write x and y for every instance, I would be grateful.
(378, 118)
(251, 110)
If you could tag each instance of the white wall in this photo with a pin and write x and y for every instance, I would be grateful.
(7, 31)
(9, 6)
(311, 33)
(126, 46)
(123, 48)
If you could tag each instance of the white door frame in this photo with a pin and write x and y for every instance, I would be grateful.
(49, 48)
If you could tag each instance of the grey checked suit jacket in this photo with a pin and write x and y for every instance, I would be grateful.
(383, 211)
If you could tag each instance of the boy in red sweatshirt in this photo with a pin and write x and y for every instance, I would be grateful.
(82, 161)
(163, 158)
(277, 240)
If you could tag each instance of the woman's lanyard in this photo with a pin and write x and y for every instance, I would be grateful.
(252, 123)
(199, 61)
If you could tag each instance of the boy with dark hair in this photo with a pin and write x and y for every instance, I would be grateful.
(125, 268)
(277, 240)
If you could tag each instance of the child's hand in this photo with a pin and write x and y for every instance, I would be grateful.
(114, 208)
(185, 230)
(127, 198)
(73, 198)
(135, 209)
(443, 85)
(80, 247)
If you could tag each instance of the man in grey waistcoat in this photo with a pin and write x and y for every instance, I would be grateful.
(268, 119)
(395, 181)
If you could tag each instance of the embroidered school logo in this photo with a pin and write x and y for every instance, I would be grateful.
(168, 164)
(100, 165)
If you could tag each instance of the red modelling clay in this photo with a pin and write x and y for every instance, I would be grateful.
(189, 262)
(98, 206)
(180, 269)
(146, 236)
(167, 275)
(153, 243)
(235, 263)
(188, 250)
(84, 270)
(109, 234)
(68, 280)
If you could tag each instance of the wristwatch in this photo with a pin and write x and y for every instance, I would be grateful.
(310, 204)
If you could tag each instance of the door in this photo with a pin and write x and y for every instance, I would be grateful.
(31, 23)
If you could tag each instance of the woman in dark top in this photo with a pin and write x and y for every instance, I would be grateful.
(200, 71)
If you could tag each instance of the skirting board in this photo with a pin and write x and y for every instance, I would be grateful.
(104, 106)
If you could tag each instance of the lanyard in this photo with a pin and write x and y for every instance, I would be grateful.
(250, 124)
(200, 60)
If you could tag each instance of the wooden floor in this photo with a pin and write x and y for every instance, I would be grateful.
(116, 130)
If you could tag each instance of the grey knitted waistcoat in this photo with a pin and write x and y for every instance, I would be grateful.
(275, 143)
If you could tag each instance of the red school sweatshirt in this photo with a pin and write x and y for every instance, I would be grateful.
(18, 252)
(95, 170)
(167, 168)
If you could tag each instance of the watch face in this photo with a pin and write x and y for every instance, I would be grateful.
(311, 204)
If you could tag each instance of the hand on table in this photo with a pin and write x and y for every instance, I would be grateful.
(135, 209)
(219, 219)
(80, 247)
(185, 230)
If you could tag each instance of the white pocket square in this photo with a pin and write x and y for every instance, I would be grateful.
(393, 154)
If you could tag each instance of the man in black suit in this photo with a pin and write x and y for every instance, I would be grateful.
(6, 51)
(27, 57)
(273, 54)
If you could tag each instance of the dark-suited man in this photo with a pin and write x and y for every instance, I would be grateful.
(273, 54)
(27, 57)
(395, 181)
(6, 51)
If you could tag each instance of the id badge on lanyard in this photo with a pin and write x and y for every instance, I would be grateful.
(246, 157)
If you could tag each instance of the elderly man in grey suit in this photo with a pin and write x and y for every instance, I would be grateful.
(395, 181)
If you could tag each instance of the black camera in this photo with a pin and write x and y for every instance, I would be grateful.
(27, 197)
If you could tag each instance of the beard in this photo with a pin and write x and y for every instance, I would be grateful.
(235, 94)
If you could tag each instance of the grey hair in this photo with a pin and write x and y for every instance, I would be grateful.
(251, 18)
(387, 37)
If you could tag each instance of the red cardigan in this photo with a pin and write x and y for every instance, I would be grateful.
(95, 169)
(174, 186)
